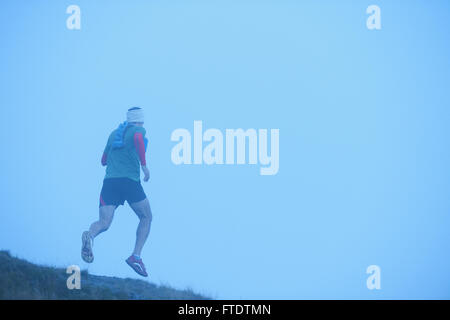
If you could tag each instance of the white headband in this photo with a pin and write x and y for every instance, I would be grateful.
(136, 115)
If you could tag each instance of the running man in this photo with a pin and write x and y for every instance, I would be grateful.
(124, 156)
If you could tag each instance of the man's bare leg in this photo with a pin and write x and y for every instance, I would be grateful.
(144, 213)
(106, 215)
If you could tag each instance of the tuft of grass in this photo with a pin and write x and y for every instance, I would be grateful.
(20, 279)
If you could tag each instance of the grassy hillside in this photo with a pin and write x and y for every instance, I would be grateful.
(20, 279)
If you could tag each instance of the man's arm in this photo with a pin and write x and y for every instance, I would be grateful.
(139, 144)
(104, 157)
(104, 160)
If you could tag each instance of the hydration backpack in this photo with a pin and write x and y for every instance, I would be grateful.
(120, 134)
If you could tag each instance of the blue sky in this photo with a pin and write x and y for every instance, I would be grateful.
(364, 150)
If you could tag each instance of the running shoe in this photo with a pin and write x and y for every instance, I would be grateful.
(137, 265)
(86, 247)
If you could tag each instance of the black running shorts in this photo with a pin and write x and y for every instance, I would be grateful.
(116, 190)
